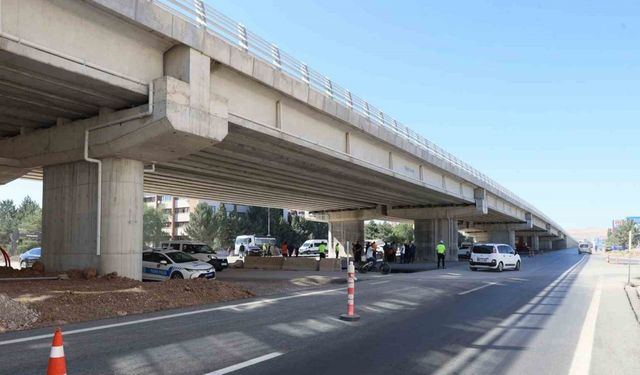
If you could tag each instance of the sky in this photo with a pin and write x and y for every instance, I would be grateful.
(543, 96)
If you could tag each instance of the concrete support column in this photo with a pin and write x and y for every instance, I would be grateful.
(70, 194)
(429, 232)
(535, 242)
(343, 231)
(559, 244)
(503, 235)
(545, 244)
(69, 216)
(122, 211)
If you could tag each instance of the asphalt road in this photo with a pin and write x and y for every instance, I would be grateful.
(563, 313)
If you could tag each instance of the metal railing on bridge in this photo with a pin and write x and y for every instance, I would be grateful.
(200, 13)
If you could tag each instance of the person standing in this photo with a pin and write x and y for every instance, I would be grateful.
(441, 250)
(285, 249)
(322, 250)
(412, 253)
(242, 250)
(337, 250)
(357, 252)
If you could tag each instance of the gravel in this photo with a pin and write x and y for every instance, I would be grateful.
(15, 315)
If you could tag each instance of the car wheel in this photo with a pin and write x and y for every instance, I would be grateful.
(473, 268)
(500, 267)
(23, 264)
(518, 266)
(177, 275)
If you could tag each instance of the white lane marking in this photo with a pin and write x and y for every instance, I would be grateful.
(169, 316)
(244, 364)
(517, 279)
(582, 356)
(380, 282)
(468, 355)
(477, 288)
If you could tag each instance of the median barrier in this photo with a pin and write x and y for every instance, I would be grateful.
(300, 264)
(264, 263)
(331, 264)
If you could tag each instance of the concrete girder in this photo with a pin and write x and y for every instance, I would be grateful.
(170, 132)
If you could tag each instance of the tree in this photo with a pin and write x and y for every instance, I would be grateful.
(371, 231)
(403, 233)
(20, 227)
(153, 221)
(9, 224)
(225, 234)
(620, 235)
(201, 226)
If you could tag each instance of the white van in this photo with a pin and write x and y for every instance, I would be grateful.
(198, 250)
(252, 244)
(585, 247)
(310, 247)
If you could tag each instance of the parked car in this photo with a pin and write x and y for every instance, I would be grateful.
(494, 257)
(253, 244)
(585, 247)
(173, 264)
(29, 257)
(198, 250)
(310, 247)
(464, 251)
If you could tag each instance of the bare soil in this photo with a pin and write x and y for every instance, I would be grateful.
(84, 297)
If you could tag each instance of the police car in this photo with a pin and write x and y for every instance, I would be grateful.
(173, 264)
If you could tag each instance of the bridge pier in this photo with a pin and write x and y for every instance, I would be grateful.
(343, 231)
(429, 232)
(535, 242)
(70, 217)
(545, 244)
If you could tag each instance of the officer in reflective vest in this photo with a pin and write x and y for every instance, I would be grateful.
(441, 250)
(322, 250)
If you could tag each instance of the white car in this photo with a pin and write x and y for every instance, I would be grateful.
(172, 264)
(464, 251)
(493, 256)
(585, 247)
(198, 250)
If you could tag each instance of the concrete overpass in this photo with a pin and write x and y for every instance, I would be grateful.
(105, 99)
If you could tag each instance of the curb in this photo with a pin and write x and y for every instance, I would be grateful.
(633, 295)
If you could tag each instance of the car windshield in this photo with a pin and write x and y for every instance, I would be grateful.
(482, 249)
(180, 257)
(584, 245)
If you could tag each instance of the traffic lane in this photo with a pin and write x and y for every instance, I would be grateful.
(431, 337)
(186, 344)
(234, 335)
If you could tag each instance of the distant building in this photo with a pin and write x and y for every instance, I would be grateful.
(178, 209)
(616, 223)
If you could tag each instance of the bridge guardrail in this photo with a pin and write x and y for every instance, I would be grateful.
(199, 13)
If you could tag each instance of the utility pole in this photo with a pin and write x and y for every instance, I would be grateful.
(629, 253)
(268, 222)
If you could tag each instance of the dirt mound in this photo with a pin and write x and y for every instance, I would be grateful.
(8, 272)
(15, 315)
(78, 299)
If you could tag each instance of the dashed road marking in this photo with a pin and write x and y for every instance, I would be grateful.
(244, 364)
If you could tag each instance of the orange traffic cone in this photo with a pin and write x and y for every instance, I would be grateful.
(57, 364)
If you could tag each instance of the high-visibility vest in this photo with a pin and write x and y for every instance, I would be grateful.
(322, 248)
(441, 249)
